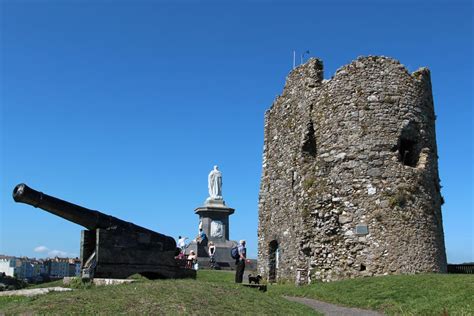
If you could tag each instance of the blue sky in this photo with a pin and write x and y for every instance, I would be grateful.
(124, 107)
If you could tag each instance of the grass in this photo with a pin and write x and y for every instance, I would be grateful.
(427, 294)
(215, 276)
(214, 293)
(48, 284)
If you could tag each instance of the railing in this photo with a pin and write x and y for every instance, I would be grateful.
(461, 268)
(89, 267)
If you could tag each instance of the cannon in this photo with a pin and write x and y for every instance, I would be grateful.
(111, 247)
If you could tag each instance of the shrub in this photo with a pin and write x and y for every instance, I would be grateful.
(79, 283)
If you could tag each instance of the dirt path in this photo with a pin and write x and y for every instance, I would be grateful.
(33, 292)
(331, 309)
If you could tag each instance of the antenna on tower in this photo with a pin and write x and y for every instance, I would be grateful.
(294, 59)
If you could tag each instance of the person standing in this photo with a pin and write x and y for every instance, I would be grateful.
(240, 262)
(192, 260)
(182, 243)
(202, 238)
(211, 251)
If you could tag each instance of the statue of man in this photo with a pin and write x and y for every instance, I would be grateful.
(215, 184)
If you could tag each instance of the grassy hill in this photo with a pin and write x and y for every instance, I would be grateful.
(214, 293)
(422, 294)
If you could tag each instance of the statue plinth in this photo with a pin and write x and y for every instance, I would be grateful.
(214, 219)
(214, 202)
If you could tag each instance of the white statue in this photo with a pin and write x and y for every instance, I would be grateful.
(215, 184)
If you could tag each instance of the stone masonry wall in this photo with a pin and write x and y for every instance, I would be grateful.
(353, 153)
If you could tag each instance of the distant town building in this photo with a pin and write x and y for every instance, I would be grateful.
(8, 265)
(74, 267)
(20, 268)
(58, 267)
(35, 270)
(26, 269)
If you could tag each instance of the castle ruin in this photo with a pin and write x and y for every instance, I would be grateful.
(350, 183)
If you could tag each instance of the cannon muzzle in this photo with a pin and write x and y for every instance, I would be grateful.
(24, 194)
(74, 213)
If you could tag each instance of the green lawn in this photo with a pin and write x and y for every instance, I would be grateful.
(426, 294)
(48, 284)
(214, 293)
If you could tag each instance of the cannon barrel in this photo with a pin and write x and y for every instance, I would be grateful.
(89, 219)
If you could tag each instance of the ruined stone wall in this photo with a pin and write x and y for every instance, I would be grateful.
(350, 182)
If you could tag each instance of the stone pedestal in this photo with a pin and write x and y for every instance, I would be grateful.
(214, 217)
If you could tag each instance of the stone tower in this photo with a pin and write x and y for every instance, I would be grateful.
(350, 183)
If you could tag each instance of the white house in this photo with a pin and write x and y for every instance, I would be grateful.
(11, 266)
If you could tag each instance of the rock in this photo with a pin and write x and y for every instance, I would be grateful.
(374, 172)
(344, 219)
(372, 98)
(371, 190)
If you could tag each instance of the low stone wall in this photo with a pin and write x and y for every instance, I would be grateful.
(100, 281)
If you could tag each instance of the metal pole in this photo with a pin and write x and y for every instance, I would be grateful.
(294, 59)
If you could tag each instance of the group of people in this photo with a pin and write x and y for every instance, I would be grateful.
(192, 259)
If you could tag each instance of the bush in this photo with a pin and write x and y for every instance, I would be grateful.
(78, 283)
(8, 283)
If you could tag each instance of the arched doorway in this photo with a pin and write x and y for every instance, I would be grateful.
(273, 258)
